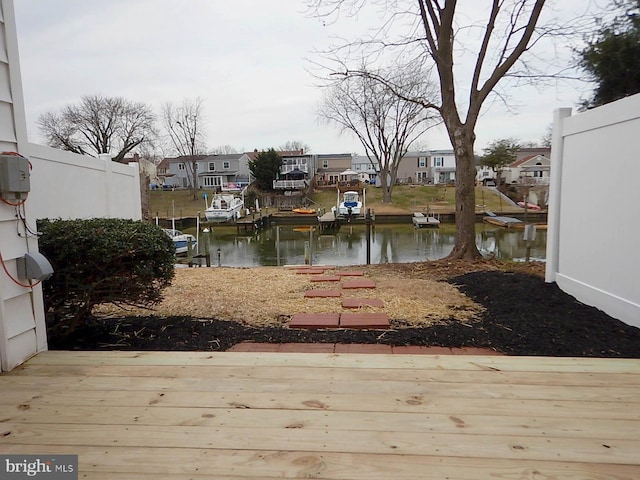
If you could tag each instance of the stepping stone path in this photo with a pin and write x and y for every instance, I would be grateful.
(325, 278)
(340, 320)
(315, 320)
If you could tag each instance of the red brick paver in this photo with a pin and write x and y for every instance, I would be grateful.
(364, 320)
(362, 348)
(320, 293)
(359, 283)
(315, 320)
(306, 347)
(310, 271)
(325, 278)
(362, 302)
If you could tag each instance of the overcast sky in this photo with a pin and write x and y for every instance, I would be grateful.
(247, 59)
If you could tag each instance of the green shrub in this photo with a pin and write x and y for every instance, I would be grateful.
(95, 261)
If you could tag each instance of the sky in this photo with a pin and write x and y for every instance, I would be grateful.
(251, 61)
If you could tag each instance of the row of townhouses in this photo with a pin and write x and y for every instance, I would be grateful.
(300, 169)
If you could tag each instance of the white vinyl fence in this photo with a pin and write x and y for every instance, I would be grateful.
(594, 213)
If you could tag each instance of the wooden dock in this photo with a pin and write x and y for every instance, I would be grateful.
(205, 415)
(253, 223)
(328, 222)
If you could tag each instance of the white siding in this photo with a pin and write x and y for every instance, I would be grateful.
(593, 218)
(22, 328)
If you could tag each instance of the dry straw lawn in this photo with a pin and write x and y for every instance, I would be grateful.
(268, 296)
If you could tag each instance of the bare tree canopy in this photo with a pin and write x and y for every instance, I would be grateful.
(224, 150)
(294, 146)
(183, 126)
(385, 123)
(471, 50)
(98, 125)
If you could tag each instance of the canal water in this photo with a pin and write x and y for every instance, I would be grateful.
(291, 245)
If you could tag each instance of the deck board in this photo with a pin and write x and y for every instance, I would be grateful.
(331, 416)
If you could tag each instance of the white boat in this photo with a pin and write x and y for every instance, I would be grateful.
(224, 207)
(181, 240)
(351, 205)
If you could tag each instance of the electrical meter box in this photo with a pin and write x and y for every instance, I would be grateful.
(14, 177)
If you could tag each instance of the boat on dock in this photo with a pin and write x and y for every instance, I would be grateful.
(181, 240)
(224, 207)
(420, 220)
(350, 206)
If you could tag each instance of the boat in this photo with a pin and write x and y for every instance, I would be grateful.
(181, 240)
(350, 205)
(420, 220)
(224, 207)
(304, 211)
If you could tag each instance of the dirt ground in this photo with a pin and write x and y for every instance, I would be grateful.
(506, 307)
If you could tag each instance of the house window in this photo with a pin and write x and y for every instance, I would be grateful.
(357, 165)
(538, 173)
(325, 163)
(422, 162)
(438, 161)
(212, 166)
(225, 165)
(181, 166)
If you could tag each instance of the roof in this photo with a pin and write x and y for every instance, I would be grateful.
(182, 159)
(526, 159)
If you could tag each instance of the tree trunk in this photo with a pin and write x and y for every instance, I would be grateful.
(465, 247)
(384, 184)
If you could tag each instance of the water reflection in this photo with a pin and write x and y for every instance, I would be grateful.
(389, 244)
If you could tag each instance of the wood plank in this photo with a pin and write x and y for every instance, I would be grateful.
(601, 450)
(180, 463)
(498, 423)
(448, 362)
(401, 402)
(383, 385)
(291, 371)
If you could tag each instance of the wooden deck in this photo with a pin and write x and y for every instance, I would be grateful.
(191, 415)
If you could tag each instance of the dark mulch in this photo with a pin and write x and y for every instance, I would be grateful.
(524, 316)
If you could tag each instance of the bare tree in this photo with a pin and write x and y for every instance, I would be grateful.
(183, 125)
(385, 124)
(224, 150)
(98, 125)
(503, 32)
(294, 146)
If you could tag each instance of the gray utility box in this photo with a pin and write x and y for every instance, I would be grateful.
(14, 177)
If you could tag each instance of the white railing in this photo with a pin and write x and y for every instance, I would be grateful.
(289, 184)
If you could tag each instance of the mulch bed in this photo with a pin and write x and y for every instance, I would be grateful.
(524, 316)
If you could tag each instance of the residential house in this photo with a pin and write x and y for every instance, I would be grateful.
(296, 172)
(228, 172)
(366, 168)
(443, 163)
(415, 167)
(331, 166)
(175, 171)
(531, 167)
